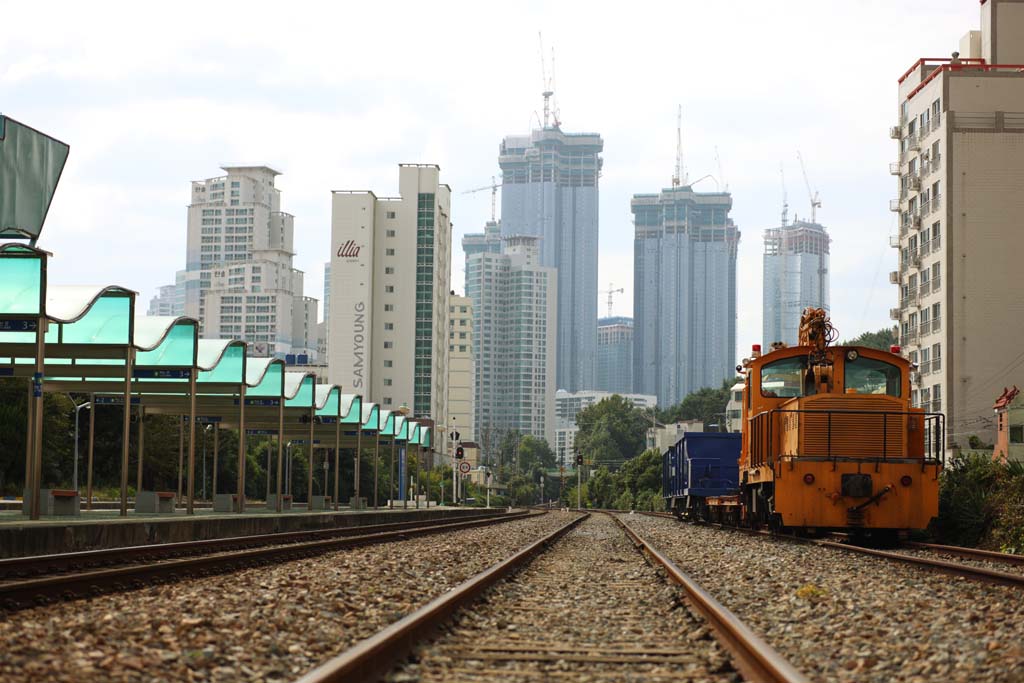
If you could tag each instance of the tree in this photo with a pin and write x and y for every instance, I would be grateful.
(706, 405)
(611, 431)
(882, 339)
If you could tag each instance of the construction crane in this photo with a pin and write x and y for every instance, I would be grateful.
(679, 177)
(550, 114)
(493, 187)
(785, 202)
(815, 201)
(610, 292)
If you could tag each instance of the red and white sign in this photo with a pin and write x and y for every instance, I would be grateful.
(464, 467)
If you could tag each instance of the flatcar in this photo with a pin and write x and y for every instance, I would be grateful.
(701, 466)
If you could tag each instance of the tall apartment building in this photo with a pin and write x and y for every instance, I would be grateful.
(515, 333)
(614, 369)
(960, 174)
(684, 300)
(170, 299)
(390, 278)
(461, 368)
(550, 190)
(795, 276)
(239, 281)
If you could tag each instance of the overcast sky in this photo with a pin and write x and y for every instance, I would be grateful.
(336, 94)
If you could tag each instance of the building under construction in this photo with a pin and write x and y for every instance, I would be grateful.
(795, 276)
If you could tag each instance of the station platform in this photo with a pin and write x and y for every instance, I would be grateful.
(98, 529)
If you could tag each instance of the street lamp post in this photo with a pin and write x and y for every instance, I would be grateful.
(74, 476)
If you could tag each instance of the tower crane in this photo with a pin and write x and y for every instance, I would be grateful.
(610, 292)
(815, 201)
(785, 202)
(493, 187)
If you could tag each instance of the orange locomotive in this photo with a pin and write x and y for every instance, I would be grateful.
(830, 440)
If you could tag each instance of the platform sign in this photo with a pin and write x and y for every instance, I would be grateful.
(261, 432)
(303, 442)
(464, 467)
(154, 373)
(260, 402)
(19, 325)
(328, 420)
(114, 400)
(6, 372)
(402, 484)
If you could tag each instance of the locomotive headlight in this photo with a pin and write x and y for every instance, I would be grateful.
(852, 355)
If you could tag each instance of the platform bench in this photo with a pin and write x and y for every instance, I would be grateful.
(155, 502)
(54, 502)
(225, 502)
(286, 502)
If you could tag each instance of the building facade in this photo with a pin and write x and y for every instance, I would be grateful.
(390, 278)
(960, 178)
(238, 280)
(796, 259)
(684, 281)
(514, 332)
(550, 190)
(170, 299)
(615, 355)
(461, 370)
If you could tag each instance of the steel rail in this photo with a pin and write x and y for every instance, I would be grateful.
(954, 568)
(969, 553)
(49, 564)
(26, 593)
(754, 658)
(369, 658)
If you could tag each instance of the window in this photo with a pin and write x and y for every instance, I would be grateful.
(388, 308)
(462, 348)
(390, 214)
(936, 270)
(389, 289)
(388, 363)
(389, 326)
(387, 381)
(784, 378)
(389, 271)
(390, 233)
(937, 396)
(389, 252)
(870, 376)
(936, 351)
(1016, 433)
(389, 345)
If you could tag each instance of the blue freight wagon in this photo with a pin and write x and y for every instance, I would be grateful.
(701, 465)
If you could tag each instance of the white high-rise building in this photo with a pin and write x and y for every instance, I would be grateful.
(960, 178)
(239, 281)
(170, 299)
(390, 278)
(569, 404)
(515, 334)
(795, 277)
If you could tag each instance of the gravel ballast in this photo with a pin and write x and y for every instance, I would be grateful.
(588, 609)
(842, 617)
(269, 623)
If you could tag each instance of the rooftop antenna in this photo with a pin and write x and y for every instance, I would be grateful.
(785, 203)
(679, 178)
(815, 201)
(721, 174)
(545, 82)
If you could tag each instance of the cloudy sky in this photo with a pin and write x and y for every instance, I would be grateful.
(336, 94)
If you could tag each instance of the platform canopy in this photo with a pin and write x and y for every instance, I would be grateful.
(31, 164)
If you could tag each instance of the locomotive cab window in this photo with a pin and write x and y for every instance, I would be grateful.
(784, 378)
(870, 376)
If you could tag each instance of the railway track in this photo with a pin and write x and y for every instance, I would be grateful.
(587, 607)
(982, 566)
(52, 577)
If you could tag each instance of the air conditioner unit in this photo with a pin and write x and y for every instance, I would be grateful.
(894, 277)
(915, 377)
(894, 314)
(914, 182)
(895, 132)
(915, 221)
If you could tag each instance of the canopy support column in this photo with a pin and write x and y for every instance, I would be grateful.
(142, 451)
(337, 461)
(216, 449)
(37, 417)
(391, 479)
(312, 458)
(191, 506)
(92, 444)
(280, 452)
(376, 458)
(241, 450)
(359, 452)
(126, 426)
(30, 433)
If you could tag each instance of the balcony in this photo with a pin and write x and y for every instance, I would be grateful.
(915, 221)
(894, 204)
(936, 364)
(924, 289)
(909, 300)
(936, 244)
(936, 324)
(895, 132)
(914, 183)
(925, 129)
(894, 168)
(915, 377)
(925, 210)
(913, 143)
(936, 202)
(925, 367)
